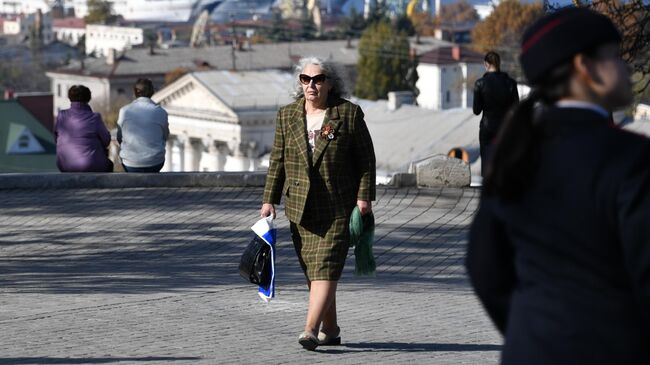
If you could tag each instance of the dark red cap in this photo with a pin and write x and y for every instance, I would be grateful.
(560, 35)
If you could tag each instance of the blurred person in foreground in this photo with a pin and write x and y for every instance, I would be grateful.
(323, 163)
(494, 94)
(81, 137)
(142, 131)
(559, 250)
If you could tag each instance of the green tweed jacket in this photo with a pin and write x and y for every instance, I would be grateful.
(340, 171)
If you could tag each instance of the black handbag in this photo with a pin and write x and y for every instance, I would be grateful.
(255, 263)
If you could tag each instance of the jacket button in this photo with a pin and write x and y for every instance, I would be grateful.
(296, 183)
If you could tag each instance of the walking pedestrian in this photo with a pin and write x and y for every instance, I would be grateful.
(559, 250)
(494, 94)
(81, 137)
(323, 163)
(142, 131)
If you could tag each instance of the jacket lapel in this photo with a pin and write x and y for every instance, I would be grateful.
(299, 129)
(332, 118)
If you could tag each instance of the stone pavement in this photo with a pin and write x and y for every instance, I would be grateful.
(149, 276)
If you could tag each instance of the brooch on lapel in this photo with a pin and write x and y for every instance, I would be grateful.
(328, 132)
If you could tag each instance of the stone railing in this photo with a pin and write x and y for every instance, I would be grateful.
(435, 171)
(57, 180)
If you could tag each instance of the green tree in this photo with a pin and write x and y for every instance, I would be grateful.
(100, 12)
(383, 62)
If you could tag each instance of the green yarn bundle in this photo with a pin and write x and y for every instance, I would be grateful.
(362, 234)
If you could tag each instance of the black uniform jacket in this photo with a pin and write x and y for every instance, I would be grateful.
(494, 94)
(564, 272)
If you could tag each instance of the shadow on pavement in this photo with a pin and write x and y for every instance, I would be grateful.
(152, 240)
(95, 360)
(412, 347)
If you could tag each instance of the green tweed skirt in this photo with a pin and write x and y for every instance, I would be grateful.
(322, 247)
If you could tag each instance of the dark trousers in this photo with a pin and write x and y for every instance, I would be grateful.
(485, 139)
(155, 168)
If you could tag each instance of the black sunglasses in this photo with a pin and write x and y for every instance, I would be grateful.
(306, 79)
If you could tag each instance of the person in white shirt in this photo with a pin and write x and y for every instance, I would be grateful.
(142, 131)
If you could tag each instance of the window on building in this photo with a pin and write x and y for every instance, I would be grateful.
(23, 141)
(120, 91)
(58, 90)
(448, 96)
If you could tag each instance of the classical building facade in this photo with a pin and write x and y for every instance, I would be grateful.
(223, 120)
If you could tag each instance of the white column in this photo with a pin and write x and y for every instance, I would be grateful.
(207, 161)
(237, 160)
(188, 154)
(214, 156)
(221, 155)
(180, 145)
(169, 145)
(252, 154)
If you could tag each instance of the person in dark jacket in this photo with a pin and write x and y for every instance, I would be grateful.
(81, 137)
(559, 250)
(494, 94)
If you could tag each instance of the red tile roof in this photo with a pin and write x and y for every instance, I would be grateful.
(70, 22)
(40, 105)
(445, 56)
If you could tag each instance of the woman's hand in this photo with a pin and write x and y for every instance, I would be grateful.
(365, 206)
(267, 210)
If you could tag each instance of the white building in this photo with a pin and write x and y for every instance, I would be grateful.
(111, 79)
(151, 10)
(23, 26)
(642, 112)
(222, 120)
(23, 6)
(69, 30)
(447, 76)
(101, 38)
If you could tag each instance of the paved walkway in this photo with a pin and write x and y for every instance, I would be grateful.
(149, 276)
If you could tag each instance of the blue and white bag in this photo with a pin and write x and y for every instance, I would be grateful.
(264, 229)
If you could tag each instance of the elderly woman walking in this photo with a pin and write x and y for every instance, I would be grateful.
(323, 162)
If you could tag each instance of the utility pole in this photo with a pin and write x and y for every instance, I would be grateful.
(234, 42)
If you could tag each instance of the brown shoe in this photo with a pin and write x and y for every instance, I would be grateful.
(329, 340)
(308, 341)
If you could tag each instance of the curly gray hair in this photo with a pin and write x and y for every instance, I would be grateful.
(332, 70)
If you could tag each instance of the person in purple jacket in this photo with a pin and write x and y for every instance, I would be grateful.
(81, 137)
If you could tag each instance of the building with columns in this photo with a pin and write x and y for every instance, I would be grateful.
(110, 79)
(223, 120)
